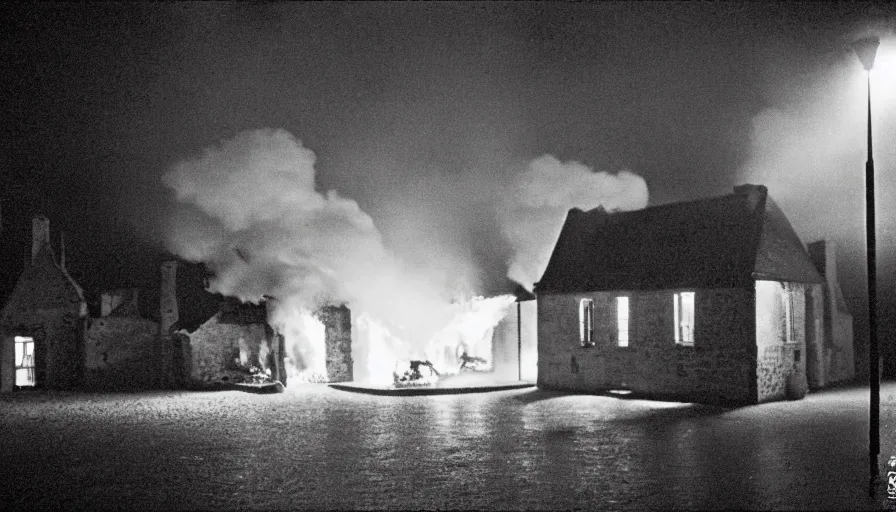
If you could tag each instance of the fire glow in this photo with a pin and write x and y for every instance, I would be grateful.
(250, 211)
(463, 343)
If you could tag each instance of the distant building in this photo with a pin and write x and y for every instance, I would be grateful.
(711, 301)
(42, 322)
(49, 340)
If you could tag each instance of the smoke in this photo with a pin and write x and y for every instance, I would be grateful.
(535, 206)
(809, 146)
(253, 216)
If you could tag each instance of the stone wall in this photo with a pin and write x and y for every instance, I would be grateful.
(124, 302)
(337, 322)
(779, 353)
(225, 352)
(720, 367)
(124, 353)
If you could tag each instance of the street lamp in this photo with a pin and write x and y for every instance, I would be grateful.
(866, 49)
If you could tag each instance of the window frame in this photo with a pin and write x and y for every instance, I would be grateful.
(620, 300)
(30, 368)
(678, 325)
(787, 306)
(586, 322)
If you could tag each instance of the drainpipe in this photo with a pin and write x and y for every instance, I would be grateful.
(519, 340)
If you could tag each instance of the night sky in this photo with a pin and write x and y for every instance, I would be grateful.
(399, 100)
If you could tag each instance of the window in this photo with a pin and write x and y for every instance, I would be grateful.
(788, 333)
(24, 361)
(622, 321)
(684, 318)
(586, 322)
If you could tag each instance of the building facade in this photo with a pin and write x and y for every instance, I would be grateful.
(713, 301)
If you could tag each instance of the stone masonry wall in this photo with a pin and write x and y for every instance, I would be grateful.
(337, 322)
(123, 353)
(720, 367)
(779, 353)
(225, 352)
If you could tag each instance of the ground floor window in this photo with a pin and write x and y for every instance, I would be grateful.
(622, 321)
(24, 361)
(586, 322)
(684, 318)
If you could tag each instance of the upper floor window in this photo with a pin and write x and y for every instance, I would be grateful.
(622, 321)
(684, 318)
(586, 322)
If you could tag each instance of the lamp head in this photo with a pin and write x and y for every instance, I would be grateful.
(866, 49)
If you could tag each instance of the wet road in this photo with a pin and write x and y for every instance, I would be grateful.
(319, 448)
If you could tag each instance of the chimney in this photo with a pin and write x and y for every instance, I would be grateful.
(40, 238)
(823, 254)
(754, 194)
(168, 296)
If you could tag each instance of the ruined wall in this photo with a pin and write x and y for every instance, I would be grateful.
(123, 302)
(779, 353)
(720, 367)
(337, 322)
(224, 352)
(123, 353)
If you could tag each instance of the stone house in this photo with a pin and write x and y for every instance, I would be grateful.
(714, 301)
(41, 325)
(49, 338)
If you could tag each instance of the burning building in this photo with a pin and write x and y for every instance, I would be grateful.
(714, 300)
(51, 340)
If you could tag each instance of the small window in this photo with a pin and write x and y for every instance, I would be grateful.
(586, 322)
(622, 321)
(24, 361)
(684, 318)
(788, 331)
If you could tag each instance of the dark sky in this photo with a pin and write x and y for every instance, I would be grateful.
(100, 100)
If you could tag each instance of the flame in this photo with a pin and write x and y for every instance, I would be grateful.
(304, 336)
(382, 352)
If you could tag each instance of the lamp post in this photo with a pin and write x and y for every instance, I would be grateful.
(866, 49)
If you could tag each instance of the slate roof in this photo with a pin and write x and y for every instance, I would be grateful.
(720, 242)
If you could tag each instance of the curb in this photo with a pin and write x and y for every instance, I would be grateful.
(424, 391)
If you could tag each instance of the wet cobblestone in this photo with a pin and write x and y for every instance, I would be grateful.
(318, 448)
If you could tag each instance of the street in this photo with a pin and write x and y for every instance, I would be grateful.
(314, 447)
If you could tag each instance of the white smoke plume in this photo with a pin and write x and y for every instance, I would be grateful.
(535, 206)
(809, 147)
(257, 221)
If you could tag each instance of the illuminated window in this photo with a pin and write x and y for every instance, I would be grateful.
(622, 321)
(787, 329)
(684, 318)
(24, 361)
(586, 322)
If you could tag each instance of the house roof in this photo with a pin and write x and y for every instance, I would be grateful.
(719, 242)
